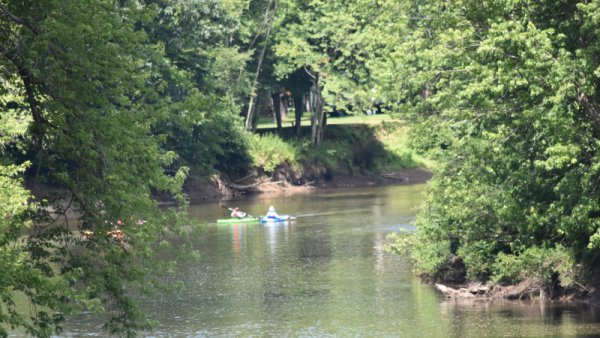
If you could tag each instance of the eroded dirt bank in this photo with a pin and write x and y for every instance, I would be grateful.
(216, 188)
(527, 289)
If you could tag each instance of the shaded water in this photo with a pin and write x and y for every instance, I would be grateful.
(326, 274)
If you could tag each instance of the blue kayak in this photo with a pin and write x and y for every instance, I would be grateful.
(281, 218)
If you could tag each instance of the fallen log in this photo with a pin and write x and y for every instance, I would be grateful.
(471, 291)
(449, 292)
(249, 186)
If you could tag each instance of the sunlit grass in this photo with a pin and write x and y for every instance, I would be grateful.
(397, 142)
(267, 123)
(391, 131)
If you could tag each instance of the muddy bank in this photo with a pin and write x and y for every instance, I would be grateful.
(218, 188)
(527, 289)
(452, 283)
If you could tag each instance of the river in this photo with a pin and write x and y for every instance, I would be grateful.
(326, 274)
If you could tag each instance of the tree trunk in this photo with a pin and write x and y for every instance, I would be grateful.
(250, 113)
(269, 18)
(285, 102)
(298, 111)
(317, 120)
(277, 109)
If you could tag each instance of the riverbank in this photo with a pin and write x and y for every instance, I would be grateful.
(216, 188)
(351, 155)
(526, 289)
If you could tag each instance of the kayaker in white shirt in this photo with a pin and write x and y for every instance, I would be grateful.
(272, 213)
(236, 212)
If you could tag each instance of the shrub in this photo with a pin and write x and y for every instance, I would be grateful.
(431, 258)
(478, 257)
(336, 156)
(535, 263)
(428, 258)
(397, 152)
(268, 151)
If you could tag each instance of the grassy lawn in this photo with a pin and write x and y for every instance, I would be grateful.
(267, 123)
(395, 140)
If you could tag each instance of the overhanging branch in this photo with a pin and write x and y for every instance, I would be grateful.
(18, 20)
(590, 108)
(24, 72)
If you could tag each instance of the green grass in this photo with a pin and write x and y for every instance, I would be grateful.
(352, 144)
(268, 151)
(267, 123)
(396, 142)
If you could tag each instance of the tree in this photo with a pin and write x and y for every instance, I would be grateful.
(93, 89)
(328, 45)
(207, 79)
(266, 26)
(510, 115)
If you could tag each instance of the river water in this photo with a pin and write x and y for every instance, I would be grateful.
(326, 274)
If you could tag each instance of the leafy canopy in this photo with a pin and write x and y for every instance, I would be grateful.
(506, 97)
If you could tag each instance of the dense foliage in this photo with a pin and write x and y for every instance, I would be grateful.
(92, 100)
(506, 94)
(105, 104)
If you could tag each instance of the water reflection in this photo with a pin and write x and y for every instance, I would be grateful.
(519, 319)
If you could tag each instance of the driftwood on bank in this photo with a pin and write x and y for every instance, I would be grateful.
(471, 291)
(250, 186)
(247, 177)
(393, 176)
(527, 289)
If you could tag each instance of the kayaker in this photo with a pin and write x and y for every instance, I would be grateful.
(236, 212)
(272, 213)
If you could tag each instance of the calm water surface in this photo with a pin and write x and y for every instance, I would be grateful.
(326, 275)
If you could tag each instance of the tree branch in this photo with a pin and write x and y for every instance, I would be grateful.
(18, 20)
(312, 76)
(590, 108)
(13, 56)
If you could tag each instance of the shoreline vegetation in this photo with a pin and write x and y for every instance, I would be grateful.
(357, 152)
(283, 180)
(290, 177)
